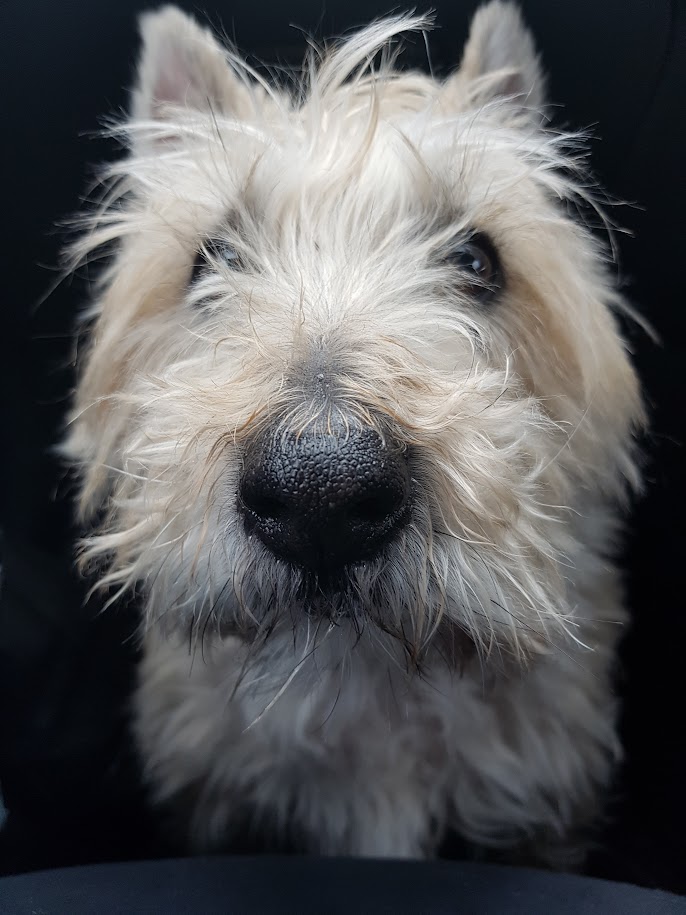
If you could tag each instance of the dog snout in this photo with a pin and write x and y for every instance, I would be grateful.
(322, 500)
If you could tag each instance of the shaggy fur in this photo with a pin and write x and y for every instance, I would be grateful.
(461, 679)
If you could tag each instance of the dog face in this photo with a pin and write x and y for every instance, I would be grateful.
(352, 361)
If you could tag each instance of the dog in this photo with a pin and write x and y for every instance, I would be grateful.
(356, 424)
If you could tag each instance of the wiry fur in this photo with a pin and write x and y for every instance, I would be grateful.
(462, 678)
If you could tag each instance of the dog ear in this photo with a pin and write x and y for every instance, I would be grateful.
(499, 62)
(182, 66)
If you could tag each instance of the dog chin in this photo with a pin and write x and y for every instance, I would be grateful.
(316, 606)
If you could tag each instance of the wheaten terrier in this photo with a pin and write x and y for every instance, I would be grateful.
(357, 424)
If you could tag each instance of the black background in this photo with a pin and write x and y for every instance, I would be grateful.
(65, 769)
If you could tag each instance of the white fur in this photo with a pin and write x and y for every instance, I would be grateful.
(463, 678)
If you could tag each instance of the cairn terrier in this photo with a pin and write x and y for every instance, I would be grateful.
(357, 425)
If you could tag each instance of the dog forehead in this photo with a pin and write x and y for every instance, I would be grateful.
(380, 166)
(404, 168)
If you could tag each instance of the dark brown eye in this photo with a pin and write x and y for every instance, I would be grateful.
(479, 267)
(214, 250)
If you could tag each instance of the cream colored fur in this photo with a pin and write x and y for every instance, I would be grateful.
(463, 679)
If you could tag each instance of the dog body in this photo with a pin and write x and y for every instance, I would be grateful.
(364, 461)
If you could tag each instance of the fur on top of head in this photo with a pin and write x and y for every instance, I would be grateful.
(340, 201)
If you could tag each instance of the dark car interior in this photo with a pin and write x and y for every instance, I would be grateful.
(69, 779)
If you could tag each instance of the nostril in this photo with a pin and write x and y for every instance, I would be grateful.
(377, 507)
(263, 505)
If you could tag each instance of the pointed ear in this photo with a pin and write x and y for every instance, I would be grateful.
(499, 62)
(183, 66)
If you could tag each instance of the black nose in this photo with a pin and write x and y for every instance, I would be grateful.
(322, 500)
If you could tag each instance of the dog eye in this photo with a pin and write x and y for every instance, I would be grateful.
(214, 250)
(479, 266)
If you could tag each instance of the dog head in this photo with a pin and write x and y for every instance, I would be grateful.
(352, 358)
